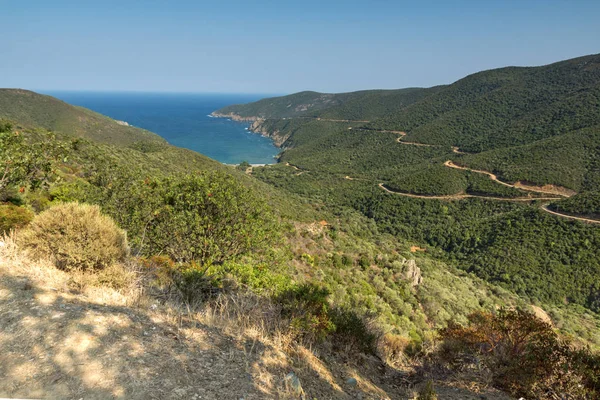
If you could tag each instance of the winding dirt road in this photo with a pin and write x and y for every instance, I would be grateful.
(466, 196)
(558, 192)
(591, 221)
(547, 189)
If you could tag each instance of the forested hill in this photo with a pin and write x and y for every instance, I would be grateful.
(487, 110)
(473, 170)
(505, 107)
(37, 110)
(366, 104)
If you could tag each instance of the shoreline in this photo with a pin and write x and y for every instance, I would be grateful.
(252, 165)
(255, 127)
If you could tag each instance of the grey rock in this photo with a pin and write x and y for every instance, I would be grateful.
(292, 382)
(412, 273)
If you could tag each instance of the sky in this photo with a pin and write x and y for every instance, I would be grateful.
(281, 46)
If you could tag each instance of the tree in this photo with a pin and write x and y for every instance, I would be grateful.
(243, 166)
(23, 162)
(208, 218)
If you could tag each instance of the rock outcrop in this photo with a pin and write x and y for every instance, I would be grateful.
(412, 273)
(234, 117)
(257, 126)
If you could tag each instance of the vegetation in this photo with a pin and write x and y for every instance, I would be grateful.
(33, 110)
(523, 354)
(24, 163)
(587, 203)
(207, 218)
(13, 217)
(75, 237)
(333, 256)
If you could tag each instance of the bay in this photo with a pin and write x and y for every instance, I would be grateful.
(183, 120)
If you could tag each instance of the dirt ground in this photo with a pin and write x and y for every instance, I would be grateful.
(57, 343)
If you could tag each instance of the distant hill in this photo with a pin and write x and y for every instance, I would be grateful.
(505, 107)
(37, 110)
(420, 163)
(294, 105)
(361, 105)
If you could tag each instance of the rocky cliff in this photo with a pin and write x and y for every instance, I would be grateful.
(257, 126)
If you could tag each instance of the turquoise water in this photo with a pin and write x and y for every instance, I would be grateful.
(182, 119)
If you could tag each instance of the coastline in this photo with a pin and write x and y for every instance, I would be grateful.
(256, 127)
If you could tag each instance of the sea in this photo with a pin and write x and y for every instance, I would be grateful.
(184, 120)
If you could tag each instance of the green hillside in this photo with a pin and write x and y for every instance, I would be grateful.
(505, 107)
(294, 105)
(528, 126)
(312, 240)
(361, 105)
(36, 110)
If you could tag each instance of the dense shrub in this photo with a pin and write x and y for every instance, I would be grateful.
(353, 330)
(208, 218)
(75, 236)
(307, 308)
(523, 354)
(13, 217)
(189, 283)
(313, 318)
(194, 283)
(26, 163)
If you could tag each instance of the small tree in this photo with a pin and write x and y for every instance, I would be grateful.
(23, 162)
(208, 218)
(243, 166)
(524, 355)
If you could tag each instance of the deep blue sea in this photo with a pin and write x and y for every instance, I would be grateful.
(182, 119)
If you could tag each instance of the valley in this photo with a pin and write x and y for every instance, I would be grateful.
(393, 222)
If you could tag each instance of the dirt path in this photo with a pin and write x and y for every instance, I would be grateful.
(300, 170)
(466, 196)
(399, 140)
(548, 189)
(457, 150)
(349, 178)
(340, 120)
(589, 220)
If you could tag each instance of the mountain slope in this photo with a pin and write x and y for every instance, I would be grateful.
(361, 105)
(36, 110)
(505, 107)
(532, 130)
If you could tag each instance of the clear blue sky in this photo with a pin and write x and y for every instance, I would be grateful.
(281, 46)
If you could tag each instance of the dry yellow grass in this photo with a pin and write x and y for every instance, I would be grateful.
(75, 237)
(61, 339)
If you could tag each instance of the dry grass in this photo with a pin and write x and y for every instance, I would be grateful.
(75, 237)
(75, 335)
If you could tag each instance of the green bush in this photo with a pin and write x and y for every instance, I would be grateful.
(76, 190)
(26, 163)
(75, 236)
(13, 217)
(208, 218)
(523, 354)
(193, 283)
(307, 308)
(352, 330)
